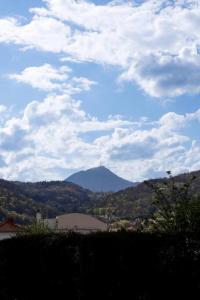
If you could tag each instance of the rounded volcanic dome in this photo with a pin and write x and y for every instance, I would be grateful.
(80, 221)
(99, 179)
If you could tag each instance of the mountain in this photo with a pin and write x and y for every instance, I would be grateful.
(100, 179)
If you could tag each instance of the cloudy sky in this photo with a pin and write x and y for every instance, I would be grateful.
(83, 82)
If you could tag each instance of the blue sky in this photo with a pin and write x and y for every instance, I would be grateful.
(79, 86)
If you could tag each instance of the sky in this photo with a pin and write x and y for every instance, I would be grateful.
(90, 82)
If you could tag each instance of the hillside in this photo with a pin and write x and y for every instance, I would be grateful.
(137, 201)
(21, 201)
(99, 179)
(14, 203)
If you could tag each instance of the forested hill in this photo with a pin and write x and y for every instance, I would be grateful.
(137, 201)
(20, 201)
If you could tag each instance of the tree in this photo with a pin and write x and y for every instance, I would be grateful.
(36, 228)
(177, 207)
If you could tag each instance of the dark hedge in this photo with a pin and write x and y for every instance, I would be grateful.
(100, 266)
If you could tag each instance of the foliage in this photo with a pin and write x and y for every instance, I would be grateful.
(177, 207)
(100, 266)
(121, 225)
(36, 228)
(20, 201)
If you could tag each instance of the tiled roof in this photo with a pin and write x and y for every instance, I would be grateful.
(80, 221)
(9, 226)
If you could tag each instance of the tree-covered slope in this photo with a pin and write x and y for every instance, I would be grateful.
(14, 203)
(137, 201)
(21, 201)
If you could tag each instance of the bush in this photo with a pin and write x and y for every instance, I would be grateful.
(100, 266)
(177, 208)
(36, 228)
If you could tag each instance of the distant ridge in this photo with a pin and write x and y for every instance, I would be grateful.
(100, 179)
(21, 200)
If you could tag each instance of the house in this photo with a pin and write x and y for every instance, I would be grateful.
(8, 229)
(76, 222)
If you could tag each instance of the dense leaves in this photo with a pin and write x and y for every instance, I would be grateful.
(100, 266)
(177, 206)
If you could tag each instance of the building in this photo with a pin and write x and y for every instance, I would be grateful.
(76, 222)
(8, 229)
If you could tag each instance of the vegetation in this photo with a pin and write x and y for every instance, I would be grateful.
(177, 207)
(139, 202)
(161, 263)
(36, 228)
(20, 201)
(100, 266)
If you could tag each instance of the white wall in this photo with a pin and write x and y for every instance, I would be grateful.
(6, 235)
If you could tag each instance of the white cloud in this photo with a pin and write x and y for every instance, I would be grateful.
(156, 45)
(49, 139)
(3, 109)
(49, 132)
(173, 120)
(42, 33)
(167, 75)
(44, 77)
(48, 78)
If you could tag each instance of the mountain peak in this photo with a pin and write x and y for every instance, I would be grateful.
(100, 179)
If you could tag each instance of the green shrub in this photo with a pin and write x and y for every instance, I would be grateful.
(177, 207)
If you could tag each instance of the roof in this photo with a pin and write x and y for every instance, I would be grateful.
(9, 226)
(79, 221)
